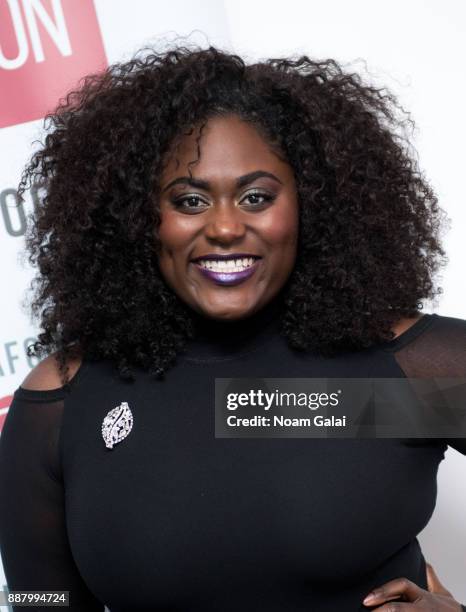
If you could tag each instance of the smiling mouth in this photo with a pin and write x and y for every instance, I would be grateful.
(230, 272)
(227, 265)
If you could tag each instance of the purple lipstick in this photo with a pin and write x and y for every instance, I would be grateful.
(228, 277)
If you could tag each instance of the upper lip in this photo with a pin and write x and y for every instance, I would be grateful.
(227, 256)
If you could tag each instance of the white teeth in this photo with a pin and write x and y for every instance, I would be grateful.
(231, 265)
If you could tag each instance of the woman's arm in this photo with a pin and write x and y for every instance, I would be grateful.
(435, 586)
(33, 539)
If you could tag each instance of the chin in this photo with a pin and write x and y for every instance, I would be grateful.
(226, 316)
(226, 313)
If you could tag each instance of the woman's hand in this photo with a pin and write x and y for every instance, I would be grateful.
(411, 596)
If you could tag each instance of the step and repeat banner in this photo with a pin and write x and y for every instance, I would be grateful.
(47, 46)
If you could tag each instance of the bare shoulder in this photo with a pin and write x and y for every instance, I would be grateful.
(45, 375)
(404, 324)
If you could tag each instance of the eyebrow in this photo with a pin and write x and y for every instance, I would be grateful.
(241, 181)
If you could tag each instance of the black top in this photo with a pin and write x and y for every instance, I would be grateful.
(174, 519)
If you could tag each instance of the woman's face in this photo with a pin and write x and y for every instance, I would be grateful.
(241, 205)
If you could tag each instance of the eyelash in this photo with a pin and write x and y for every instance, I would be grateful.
(179, 202)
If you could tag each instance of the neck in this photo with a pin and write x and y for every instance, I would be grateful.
(217, 338)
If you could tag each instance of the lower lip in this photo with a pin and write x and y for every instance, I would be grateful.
(229, 278)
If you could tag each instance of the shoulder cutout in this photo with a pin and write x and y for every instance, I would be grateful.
(45, 375)
(404, 324)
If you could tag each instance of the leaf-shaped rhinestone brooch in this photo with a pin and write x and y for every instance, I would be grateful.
(117, 424)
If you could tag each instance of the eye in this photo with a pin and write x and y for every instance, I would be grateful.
(188, 203)
(258, 198)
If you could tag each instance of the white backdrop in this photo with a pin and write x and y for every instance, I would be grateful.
(416, 48)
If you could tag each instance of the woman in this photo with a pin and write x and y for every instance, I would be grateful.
(155, 175)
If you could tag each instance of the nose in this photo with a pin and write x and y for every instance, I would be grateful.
(224, 223)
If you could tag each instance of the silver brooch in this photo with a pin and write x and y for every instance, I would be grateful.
(117, 424)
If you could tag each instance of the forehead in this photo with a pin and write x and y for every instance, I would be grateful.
(227, 145)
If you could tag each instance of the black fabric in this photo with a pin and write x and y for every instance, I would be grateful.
(174, 519)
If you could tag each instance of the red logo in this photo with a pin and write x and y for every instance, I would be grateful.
(4, 406)
(46, 46)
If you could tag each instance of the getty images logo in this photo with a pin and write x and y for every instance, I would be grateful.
(46, 47)
(266, 400)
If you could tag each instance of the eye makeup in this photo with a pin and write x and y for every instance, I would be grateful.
(179, 202)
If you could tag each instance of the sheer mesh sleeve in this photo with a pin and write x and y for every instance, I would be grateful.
(33, 540)
(437, 350)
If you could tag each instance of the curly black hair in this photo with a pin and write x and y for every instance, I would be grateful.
(370, 224)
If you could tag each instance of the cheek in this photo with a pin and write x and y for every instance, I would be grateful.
(174, 234)
(282, 231)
